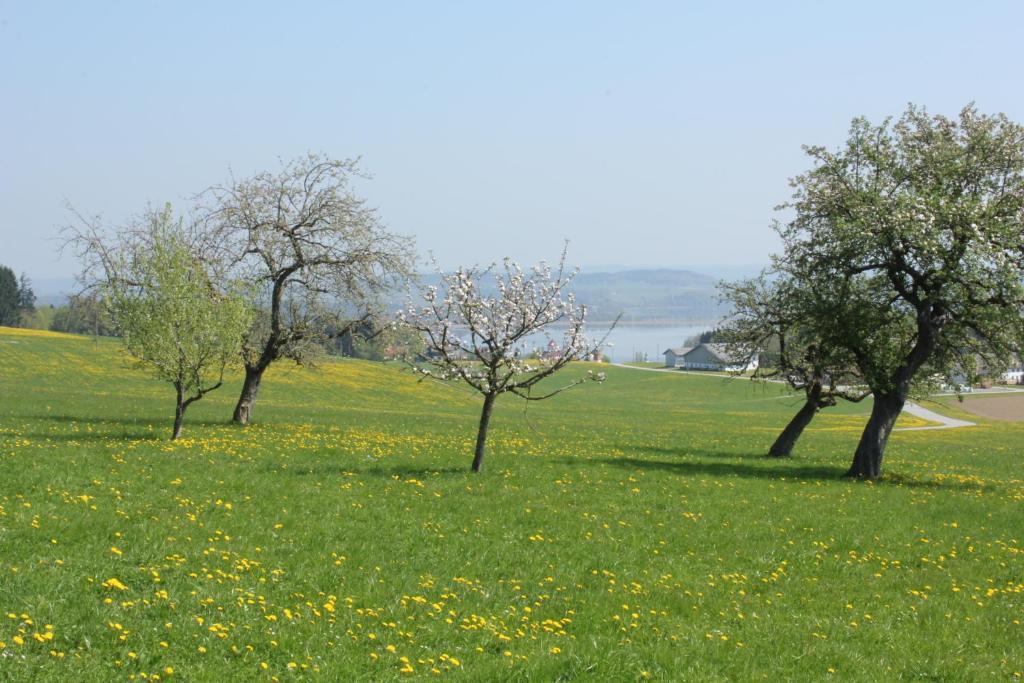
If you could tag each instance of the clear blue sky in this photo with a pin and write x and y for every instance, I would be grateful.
(647, 133)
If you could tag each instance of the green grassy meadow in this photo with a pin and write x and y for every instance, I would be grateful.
(625, 531)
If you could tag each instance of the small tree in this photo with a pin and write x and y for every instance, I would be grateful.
(772, 312)
(916, 230)
(173, 318)
(486, 340)
(315, 256)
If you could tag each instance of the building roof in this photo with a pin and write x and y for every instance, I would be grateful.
(679, 351)
(717, 350)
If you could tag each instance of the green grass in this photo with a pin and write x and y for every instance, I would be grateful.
(622, 531)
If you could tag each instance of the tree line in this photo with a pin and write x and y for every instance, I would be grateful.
(17, 300)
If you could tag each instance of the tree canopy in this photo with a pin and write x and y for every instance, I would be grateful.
(315, 255)
(913, 233)
(179, 324)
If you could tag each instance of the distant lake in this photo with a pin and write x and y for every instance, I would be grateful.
(628, 340)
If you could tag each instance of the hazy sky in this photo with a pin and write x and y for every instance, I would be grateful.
(647, 133)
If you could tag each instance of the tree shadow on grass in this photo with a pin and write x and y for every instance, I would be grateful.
(107, 428)
(682, 452)
(372, 471)
(416, 472)
(82, 437)
(129, 421)
(773, 468)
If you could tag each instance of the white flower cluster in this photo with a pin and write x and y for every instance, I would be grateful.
(491, 327)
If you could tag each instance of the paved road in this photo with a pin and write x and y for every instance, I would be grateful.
(931, 416)
(910, 408)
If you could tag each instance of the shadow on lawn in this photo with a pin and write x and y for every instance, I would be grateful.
(373, 471)
(740, 468)
(131, 421)
(773, 468)
(105, 428)
(682, 451)
(415, 472)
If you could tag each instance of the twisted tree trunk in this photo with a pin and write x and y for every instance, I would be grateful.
(783, 445)
(481, 434)
(890, 398)
(247, 400)
(867, 460)
(179, 411)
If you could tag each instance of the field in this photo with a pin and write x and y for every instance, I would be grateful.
(619, 532)
(1006, 407)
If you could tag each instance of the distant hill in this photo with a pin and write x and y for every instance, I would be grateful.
(663, 296)
(649, 295)
(53, 290)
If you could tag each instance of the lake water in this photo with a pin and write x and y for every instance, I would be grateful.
(628, 340)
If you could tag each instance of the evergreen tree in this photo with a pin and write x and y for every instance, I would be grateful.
(10, 298)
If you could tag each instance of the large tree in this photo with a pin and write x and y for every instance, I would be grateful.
(490, 329)
(915, 228)
(773, 312)
(179, 324)
(316, 256)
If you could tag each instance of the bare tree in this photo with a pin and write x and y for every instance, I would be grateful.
(315, 253)
(490, 341)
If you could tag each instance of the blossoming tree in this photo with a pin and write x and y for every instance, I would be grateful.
(917, 229)
(489, 341)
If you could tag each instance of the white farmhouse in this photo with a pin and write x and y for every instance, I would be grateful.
(1014, 374)
(674, 357)
(715, 357)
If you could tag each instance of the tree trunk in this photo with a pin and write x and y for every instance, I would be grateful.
(783, 445)
(481, 435)
(867, 460)
(247, 400)
(179, 412)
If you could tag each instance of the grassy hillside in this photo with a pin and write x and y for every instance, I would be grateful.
(624, 531)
